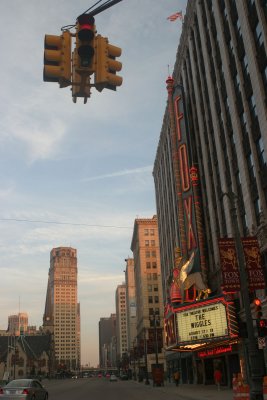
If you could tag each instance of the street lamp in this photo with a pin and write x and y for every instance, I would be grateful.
(134, 354)
(254, 359)
(155, 318)
(145, 348)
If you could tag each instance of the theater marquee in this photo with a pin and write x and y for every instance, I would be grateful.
(213, 320)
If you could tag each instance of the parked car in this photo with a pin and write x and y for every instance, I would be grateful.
(23, 389)
(113, 378)
(124, 377)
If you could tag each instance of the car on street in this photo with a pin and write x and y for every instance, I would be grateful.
(23, 389)
(113, 378)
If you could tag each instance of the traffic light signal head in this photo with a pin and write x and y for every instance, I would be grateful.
(57, 59)
(262, 327)
(107, 65)
(85, 42)
(257, 305)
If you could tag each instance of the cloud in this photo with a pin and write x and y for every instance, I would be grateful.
(120, 173)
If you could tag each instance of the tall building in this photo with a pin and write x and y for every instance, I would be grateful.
(130, 302)
(149, 301)
(121, 326)
(62, 311)
(17, 324)
(107, 341)
(212, 145)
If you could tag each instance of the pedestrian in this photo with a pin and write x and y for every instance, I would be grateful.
(176, 377)
(218, 378)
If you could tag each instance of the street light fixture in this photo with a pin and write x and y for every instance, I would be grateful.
(145, 348)
(155, 318)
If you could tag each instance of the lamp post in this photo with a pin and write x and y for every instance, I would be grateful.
(134, 360)
(253, 362)
(145, 348)
(155, 318)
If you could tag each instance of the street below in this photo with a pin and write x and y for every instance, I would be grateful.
(103, 389)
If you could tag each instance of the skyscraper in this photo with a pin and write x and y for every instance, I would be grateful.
(107, 341)
(149, 301)
(18, 323)
(121, 327)
(211, 157)
(62, 311)
(130, 302)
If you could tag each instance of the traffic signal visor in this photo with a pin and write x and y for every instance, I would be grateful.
(85, 42)
(57, 59)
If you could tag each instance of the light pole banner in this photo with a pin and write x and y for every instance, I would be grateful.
(229, 265)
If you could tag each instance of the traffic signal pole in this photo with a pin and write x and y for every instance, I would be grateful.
(253, 359)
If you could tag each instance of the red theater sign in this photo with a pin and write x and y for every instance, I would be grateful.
(229, 265)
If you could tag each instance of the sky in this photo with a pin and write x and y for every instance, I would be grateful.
(78, 174)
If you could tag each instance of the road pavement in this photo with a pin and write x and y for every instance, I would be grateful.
(102, 389)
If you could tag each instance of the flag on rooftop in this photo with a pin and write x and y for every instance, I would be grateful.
(175, 16)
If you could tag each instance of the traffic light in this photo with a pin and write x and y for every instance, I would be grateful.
(262, 327)
(258, 311)
(85, 43)
(107, 65)
(57, 59)
(80, 82)
(83, 59)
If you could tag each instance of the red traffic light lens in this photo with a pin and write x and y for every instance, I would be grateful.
(262, 323)
(86, 29)
(257, 302)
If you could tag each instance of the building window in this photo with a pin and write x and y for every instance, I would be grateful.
(261, 153)
(146, 243)
(258, 34)
(251, 167)
(252, 106)
(257, 208)
(155, 277)
(153, 253)
(148, 265)
(147, 254)
(156, 299)
(154, 264)
(153, 243)
(150, 299)
(152, 232)
(146, 232)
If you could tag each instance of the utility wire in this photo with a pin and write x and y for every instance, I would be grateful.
(64, 223)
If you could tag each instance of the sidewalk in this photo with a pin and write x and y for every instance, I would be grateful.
(198, 392)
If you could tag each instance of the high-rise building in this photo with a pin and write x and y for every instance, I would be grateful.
(211, 159)
(121, 326)
(62, 311)
(107, 341)
(149, 302)
(17, 324)
(130, 302)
